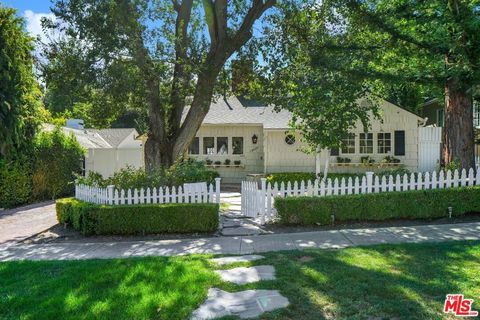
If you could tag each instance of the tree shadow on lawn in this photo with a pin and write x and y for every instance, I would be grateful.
(378, 282)
(148, 288)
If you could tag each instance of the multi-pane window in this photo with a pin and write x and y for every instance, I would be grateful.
(194, 146)
(476, 113)
(348, 144)
(290, 139)
(208, 145)
(237, 145)
(366, 142)
(384, 142)
(222, 145)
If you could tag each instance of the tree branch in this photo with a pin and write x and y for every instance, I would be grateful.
(375, 20)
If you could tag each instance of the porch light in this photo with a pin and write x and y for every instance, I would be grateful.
(254, 139)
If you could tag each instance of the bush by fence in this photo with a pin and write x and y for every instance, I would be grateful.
(421, 204)
(15, 183)
(92, 219)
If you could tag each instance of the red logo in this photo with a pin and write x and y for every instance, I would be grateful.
(456, 304)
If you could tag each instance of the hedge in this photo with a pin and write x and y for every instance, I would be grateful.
(137, 219)
(423, 204)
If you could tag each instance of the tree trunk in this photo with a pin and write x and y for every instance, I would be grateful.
(458, 137)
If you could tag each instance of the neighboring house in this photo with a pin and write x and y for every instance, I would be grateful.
(434, 111)
(108, 150)
(261, 139)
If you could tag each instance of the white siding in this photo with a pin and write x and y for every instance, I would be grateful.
(252, 158)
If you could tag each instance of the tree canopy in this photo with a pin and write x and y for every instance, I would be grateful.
(19, 91)
(172, 51)
(329, 54)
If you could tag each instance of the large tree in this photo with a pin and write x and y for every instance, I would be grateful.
(384, 43)
(19, 92)
(178, 47)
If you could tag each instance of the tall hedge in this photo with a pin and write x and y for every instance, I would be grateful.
(57, 158)
(137, 219)
(423, 204)
(15, 183)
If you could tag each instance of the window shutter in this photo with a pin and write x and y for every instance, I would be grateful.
(400, 143)
(334, 152)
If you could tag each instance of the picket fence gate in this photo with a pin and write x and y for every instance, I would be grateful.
(258, 202)
(189, 193)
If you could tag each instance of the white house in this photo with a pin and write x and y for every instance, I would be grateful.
(239, 138)
(108, 150)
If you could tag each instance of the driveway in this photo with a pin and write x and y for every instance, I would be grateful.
(23, 222)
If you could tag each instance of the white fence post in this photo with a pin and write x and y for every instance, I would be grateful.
(217, 190)
(369, 175)
(110, 190)
(263, 182)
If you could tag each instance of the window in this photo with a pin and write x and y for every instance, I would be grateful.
(384, 142)
(194, 146)
(440, 117)
(476, 113)
(222, 145)
(290, 139)
(366, 142)
(237, 145)
(208, 145)
(348, 144)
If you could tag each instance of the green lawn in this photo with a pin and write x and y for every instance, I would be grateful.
(379, 282)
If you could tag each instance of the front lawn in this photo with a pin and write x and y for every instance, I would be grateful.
(406, 281)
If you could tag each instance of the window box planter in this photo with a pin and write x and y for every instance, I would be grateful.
(226, 165)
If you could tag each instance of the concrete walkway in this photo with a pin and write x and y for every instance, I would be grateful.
(23, 222)
(242, 244)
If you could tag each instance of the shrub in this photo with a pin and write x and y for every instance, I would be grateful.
(15, 183)
(190, 170)
(137, 219)
(290, 176)
(421, 204)
(130, 178)
(57, 160)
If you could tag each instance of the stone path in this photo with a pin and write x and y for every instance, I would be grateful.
(233, 223)
(244, 275)
(334, 239)
(243, 304)
(23, 222)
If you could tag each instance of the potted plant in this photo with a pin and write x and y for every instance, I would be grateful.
(367, 160)
(208, 162)
(227, 162)
(218, 162)
(342, 161)
(390, 159)
(237, 163)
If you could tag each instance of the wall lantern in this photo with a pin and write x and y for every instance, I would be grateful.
(254, 139)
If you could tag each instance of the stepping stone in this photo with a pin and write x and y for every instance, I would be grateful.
(243, 304)
(244, 275)
(229, 260)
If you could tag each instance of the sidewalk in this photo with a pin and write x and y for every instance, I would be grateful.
(242, 244)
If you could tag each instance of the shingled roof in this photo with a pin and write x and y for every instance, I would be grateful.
(113, 136)
(239, 111)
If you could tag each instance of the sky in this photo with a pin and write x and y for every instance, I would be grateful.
(32, 11)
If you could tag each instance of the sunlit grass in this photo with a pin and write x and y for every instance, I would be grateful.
(379, 282)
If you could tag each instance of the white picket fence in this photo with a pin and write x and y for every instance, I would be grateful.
(258, 202)
(189, 193)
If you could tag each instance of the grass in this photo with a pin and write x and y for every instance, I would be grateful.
(407, 281)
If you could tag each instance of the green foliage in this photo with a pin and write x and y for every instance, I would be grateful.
(137, 219)
(190, 170)
(15, 183)
(425, 204)
(291, 177)
(183, 171)
(57, 160)
(453, 165)
(19, 92)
